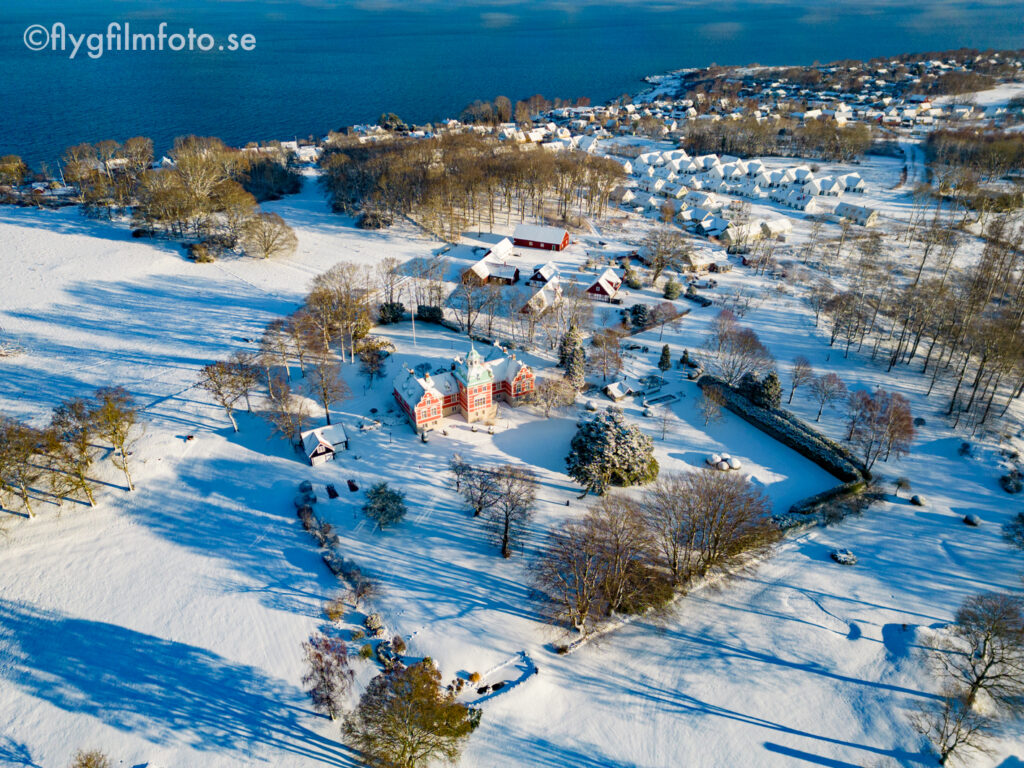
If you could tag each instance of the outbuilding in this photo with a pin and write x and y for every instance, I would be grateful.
(538, 236)
(323, 443)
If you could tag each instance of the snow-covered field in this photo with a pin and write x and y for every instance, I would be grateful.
(164, 627)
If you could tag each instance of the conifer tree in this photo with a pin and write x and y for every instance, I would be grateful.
(666, 359)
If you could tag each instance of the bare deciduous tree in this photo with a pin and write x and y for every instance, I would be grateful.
(267, 235)
(116, 417)
(328, 676)
(826, 390)
(220, 379)
(515, 492)
(802, 374)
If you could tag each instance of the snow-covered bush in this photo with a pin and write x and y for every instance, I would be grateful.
(366, 652)
(374, 623)
(1012, 482)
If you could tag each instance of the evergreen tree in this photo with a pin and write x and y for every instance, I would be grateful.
(768, 393)
(640, 316)
(672, 290)
(666, 359)
(571, 340)
(607, 450)
(383, 505)
(575, 369)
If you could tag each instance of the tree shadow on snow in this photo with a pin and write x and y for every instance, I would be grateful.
(164, 691)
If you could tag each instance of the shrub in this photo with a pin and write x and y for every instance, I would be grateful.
(632, 279)
(1012, 482)
(200, 253)
(373, 622)
(392, 312)
(430, 314)
(374, 220)
(335, 609)
(91, 759)
(357, 635)
(474, 677)
(672, 290)
(398, 645)
(366, 652)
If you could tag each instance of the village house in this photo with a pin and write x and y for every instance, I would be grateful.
(537, 236)
(866, 217)
(492, 268)
(543, 274)
(471, 389)
(323, 443)
(605, 287)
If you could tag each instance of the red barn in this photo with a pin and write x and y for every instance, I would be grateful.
(537, 236)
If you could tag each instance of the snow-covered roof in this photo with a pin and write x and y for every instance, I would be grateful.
(328, 437)
(538, 233)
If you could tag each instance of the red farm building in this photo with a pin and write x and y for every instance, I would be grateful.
(536, 236)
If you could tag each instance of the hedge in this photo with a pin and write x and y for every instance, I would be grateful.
(792, 432)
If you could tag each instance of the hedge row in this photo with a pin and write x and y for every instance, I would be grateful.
(814, 503)
(791, 431)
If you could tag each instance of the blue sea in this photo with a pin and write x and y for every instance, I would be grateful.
(320, 65)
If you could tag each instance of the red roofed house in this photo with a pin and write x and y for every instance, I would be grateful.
(605, 287)
(537, 236)
(470, 388)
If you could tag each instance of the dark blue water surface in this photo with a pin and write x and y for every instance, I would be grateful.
(320, 65)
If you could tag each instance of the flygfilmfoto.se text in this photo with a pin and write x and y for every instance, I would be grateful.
(119, 38)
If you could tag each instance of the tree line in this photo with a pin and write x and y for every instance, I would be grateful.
(460, 181)
(747, 137)
(58, 462)
(961, 320)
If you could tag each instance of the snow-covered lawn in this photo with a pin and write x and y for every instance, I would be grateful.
(164, 627)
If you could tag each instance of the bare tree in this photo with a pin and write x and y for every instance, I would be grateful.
(952, 726)
(736, 351)
(266, 235)
(607, 356)
(19, 445)
(624, 546)
(220, 379)
(512, 505)
(986, 650)
(879, 423)
(479, 487)
(116, 417)
(664, 248)
(288, 413)
(569, 574)
(710, 404)
(552, 394)
(826, 390)
(802, 374)
(326, 383)
(328, 676)
(70, 452)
